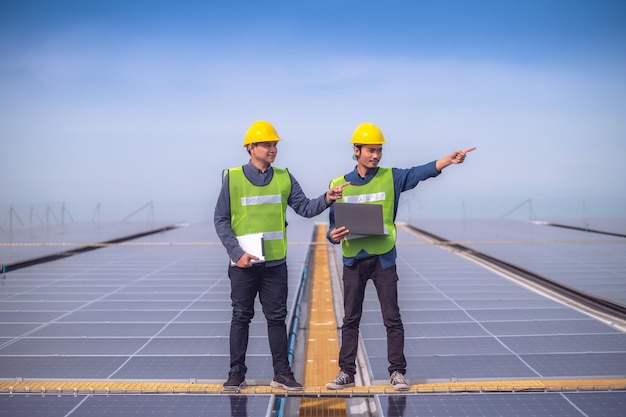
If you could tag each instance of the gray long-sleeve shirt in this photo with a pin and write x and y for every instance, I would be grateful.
(297, 200)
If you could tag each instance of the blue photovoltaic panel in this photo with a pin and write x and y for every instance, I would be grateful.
(161, 405)
(162, 312)
(550, 327)
(579, 363)
(36, 242)
(151, 312)
(520, 330)
(441, 329)
(59, 367)
(591, 262)
(472, 365)
(599, 404)
(521, 405)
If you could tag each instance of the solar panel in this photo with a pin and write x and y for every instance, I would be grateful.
(524, 405)
(513, 321)
(149, 311)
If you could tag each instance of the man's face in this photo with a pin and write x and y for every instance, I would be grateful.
(369, 156)
(264, 151)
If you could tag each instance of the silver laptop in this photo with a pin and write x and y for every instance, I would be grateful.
(360, 219)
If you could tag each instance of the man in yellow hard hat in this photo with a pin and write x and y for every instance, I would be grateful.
(374, 257)
(252, 204)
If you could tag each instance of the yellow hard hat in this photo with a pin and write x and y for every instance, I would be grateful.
(260, 131)
(368, 134)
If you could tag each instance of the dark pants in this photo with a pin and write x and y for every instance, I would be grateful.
(270, 283)
(355, 279)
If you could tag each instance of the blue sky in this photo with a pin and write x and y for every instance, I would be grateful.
(136, 101)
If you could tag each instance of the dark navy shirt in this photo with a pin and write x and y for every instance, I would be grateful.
(403, 180)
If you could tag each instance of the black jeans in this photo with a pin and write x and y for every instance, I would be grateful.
(270, 283)
(355, 279)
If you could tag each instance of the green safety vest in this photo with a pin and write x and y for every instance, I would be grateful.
(260, 209)
(379, 190)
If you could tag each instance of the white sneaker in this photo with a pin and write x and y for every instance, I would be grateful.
(399, 382)
(343, 380)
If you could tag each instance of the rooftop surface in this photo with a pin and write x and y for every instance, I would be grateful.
(140, 326)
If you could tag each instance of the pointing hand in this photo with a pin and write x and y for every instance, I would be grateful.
(335, 193)
(457, 157)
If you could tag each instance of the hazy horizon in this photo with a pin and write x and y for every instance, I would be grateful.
(133, 102)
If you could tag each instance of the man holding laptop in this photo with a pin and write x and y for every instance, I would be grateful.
(250, 220)
(372, 255)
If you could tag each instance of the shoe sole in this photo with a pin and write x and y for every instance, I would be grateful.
(336, 387)
(275, 384)
(234, 387)
(401, 388)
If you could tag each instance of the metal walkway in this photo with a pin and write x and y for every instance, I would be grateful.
(104, 387)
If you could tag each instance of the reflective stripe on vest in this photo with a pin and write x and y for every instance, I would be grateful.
(379, 190)
(364, 198)
(262, 199)
(260, 209)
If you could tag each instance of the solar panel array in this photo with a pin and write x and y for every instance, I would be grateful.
(605, 404)
(159, 309)
(590, 262)
(463, 321)
(30, 243)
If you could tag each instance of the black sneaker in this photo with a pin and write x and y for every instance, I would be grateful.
(236, 380)
(343, 380)
(399, 382)
(287, 382)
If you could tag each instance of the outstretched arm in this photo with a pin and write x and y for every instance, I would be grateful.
(456, 157)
